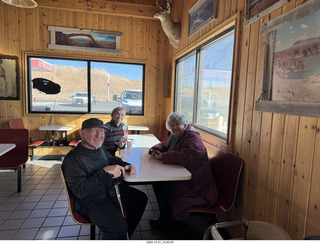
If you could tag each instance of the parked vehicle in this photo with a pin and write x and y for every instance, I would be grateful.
(81, 98)
(131, 100)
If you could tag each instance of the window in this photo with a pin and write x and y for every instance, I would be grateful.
(203, 85)
(58, 85)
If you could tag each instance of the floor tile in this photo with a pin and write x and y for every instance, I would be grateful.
(72, 230)
(41, 212)
(25, 234)
(53, 221)
(47, 233)
(33, 223)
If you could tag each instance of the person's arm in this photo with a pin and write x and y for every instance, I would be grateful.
(82, 185)
(190, 151)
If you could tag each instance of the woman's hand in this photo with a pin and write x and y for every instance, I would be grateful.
(156, 154)
(130, 169)
(121, 143)
(115, 170)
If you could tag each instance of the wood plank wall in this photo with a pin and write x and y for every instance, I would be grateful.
(25, 31)
(281, 178)
(280, 182)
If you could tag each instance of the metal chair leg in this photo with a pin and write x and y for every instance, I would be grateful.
(19, 178)
(92, 232)
(120, 203)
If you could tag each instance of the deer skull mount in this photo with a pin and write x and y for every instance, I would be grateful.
(171, 28)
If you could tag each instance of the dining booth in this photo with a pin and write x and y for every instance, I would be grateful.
(241, 71)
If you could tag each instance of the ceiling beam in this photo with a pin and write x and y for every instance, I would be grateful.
(113, 8)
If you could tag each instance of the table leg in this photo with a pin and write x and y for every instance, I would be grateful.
(52, 138)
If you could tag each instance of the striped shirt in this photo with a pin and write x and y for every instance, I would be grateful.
(113, 134)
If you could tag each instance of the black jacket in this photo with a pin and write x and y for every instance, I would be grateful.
(85, 177)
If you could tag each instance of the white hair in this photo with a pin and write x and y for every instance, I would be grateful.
(174, 116)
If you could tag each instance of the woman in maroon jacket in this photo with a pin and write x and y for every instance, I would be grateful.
(183, 146)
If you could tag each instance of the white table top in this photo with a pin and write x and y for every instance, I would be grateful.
(57, 127)
(6, 147)
(148, 168)
(138, 127)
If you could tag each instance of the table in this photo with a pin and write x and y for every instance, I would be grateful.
(137, 128)
(148, 168)
(57, 128)
(6, 147)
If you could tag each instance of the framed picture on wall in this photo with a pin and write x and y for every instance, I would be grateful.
(291, 82)
(256, 9)
(201, 14)
(84, 40)
(9, 78)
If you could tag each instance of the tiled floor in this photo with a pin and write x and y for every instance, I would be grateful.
(40, 210)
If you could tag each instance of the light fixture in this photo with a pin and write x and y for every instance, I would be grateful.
(21, 3)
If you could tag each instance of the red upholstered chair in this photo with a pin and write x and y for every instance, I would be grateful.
(76, 140)
(78, 218)
(18, 124)
(164, 132)
(17, 156)
(226, 169)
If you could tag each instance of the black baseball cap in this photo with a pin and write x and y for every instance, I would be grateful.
(93, 122)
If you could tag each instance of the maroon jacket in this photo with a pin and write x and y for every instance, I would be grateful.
(192, 154)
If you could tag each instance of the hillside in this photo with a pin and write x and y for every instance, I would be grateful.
(74, 79)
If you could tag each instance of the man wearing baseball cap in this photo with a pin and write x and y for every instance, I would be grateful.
(90, 172)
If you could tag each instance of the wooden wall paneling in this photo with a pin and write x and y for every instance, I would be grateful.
(14, 20)
(266, 123)
(313, 215)
(291, 127)
(241, 94)
(2, 28)
(261, 131)
(227, 8)
(7, 30)
(273, 171)
(302, 176)
(263, 165)
(250, 150)
(234, 7)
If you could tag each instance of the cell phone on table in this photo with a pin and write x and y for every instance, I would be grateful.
(154, 151)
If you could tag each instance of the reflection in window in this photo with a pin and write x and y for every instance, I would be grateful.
(84, 86)
(203, 85)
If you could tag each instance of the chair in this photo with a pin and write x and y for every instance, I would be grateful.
(164, 132)
(76, 140)
(78, 218)
(18, 124)
(226, 169)
(17, 156)
(252, 230)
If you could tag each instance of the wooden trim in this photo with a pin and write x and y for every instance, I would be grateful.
(113, 8)
(308, 8)
(284, 107)
(263, 13)
(209, 35)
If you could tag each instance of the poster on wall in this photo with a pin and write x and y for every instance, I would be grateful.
(256, 9)
(84, 40)
(9, 78)
(291, 82)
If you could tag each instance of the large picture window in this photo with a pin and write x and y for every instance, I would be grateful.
(203, 84)
(58, 85)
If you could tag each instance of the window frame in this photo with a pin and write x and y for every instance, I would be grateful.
(88, 60)
(197, 50)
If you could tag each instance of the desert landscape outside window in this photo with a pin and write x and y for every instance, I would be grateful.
(58, 85)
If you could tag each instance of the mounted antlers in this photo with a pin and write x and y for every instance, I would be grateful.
(171, 28)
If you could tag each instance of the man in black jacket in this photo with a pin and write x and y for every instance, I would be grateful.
(90, 172)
